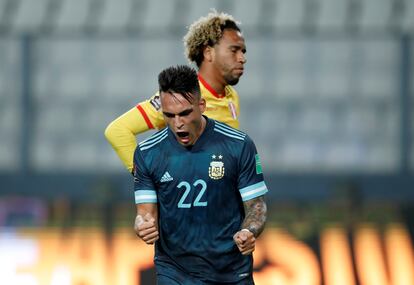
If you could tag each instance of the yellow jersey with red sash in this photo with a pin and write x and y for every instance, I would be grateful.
(148, 115)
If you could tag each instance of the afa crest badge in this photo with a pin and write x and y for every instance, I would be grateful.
(216, 169)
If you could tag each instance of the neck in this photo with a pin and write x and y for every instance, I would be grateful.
(210, 76)
(202, 128)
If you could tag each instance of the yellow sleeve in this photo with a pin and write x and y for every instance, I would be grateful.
(121, 133)
(151, 111)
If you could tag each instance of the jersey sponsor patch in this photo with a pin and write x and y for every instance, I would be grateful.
(216, 169)
(258, 164)
(156, 102)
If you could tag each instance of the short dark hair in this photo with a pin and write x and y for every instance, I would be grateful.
(180, 79)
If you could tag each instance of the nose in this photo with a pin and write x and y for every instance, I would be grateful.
(242, 58)
(178, 123)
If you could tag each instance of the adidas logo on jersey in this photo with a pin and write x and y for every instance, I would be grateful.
(166, 177)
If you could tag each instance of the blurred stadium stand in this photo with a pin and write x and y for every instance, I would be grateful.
(327, 94)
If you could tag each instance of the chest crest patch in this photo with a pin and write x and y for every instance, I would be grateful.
(216, 169)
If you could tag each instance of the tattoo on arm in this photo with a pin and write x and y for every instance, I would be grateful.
(255, 219)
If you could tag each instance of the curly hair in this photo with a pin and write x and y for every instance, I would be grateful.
(207, 31)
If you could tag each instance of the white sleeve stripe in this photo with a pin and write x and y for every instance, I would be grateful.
(142, 200)
(262, 189)
(252, 187)
(224, 126)
(153, 138)
(221, 127)
(229, 135)
(145, 192)
(145, 197)
(147, 146)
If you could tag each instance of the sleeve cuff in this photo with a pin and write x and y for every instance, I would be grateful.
(253, 191)
(145, 196)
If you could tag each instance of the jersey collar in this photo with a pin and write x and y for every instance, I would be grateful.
(209, 88)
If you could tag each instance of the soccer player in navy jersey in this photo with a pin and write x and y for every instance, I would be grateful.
(199, 191)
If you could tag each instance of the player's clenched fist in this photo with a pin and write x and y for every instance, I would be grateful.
(146, 228)
(245, 241)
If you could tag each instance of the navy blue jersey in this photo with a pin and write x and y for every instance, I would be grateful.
(200, 193)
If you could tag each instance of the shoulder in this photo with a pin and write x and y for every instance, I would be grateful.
(236, 139)
(230, 133)
(154, 141)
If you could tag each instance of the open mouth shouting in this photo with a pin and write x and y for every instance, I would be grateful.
(183, 137)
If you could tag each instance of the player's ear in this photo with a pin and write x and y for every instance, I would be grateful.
(208, 53)
(202, 105)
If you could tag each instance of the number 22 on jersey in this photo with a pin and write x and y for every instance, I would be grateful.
(187, 189)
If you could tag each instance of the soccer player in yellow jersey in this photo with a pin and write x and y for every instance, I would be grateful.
(216, 45)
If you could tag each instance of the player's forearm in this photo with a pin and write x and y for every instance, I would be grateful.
(146, 223)
(147, 208)
(255, 219)
(123, 142)
(121, 135)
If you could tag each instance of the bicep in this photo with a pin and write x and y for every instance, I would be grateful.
(134, 121)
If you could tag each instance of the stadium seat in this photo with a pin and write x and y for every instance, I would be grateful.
(407, 22)
(344, 155)
(332, 85)
(198, 8)
(116, 15)
(75, 82)
(380, 64)
(45, 155)
(290, 81)
(316, 120)
(379, 85)
(332, 15)
(289, 15)
(375, 15)
(9, 154)
(249, 15)
(29, 16)
(159, 16)
(63, 52)
(10, 68)
(3, 5)
(9, 117)
(119, 84)
(79, 155)
(253, 80)
(73, 15)
(382, 156)
(297, 154)
(332, 80)
(360, 120)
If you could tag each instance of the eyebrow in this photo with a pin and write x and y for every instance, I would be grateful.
(239, 47)
(182, 113)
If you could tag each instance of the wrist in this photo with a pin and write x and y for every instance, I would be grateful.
(249, 229)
